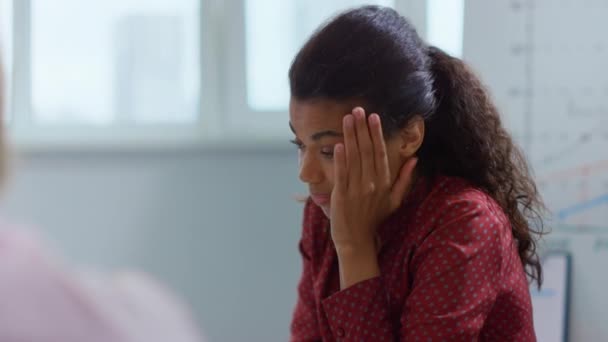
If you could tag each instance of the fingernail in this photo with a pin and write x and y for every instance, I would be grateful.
(358, 112)
(374, 118)
(348, 120)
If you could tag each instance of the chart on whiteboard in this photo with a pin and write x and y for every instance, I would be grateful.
(546, 63)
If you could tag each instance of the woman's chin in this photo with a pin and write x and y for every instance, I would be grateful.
(326, 210)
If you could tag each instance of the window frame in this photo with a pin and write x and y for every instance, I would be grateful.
(225, 117)
(28, 135)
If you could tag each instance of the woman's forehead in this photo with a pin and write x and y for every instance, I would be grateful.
(318, 113)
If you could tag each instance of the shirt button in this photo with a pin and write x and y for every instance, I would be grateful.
(340, 332)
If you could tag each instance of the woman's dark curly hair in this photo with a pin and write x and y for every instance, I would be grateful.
(374, 54)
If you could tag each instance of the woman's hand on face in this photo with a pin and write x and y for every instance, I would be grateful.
(364, 194)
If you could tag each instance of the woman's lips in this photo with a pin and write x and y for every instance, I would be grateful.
(320, 199)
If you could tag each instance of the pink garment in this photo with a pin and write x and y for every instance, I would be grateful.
(41, 300)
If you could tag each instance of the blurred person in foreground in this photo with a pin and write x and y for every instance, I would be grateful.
(44, 300)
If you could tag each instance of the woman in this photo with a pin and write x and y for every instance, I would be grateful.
(44, 300)
(422, 218)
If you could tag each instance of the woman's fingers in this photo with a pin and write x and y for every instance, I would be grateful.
(366, 149)
(380, 156)
(353, 162)
(340, 174)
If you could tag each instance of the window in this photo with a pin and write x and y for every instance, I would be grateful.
(114, 61)
(144, 70)
(102, 72)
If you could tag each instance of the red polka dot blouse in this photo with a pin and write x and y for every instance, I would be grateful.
(449, 272)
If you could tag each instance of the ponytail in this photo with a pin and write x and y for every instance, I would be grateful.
(465, 138)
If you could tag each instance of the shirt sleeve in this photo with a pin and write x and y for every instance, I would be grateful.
(455, 271)
(304, 324)
(360, 313)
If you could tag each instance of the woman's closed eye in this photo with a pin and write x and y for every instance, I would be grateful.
(328, 151)
(298, 144)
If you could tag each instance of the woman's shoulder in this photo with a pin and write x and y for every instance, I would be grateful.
(454, 201)
(454, 193)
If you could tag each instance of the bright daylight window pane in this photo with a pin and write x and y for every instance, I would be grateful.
(445, 21)
(115, 61)
(275, 30)
(6, 44)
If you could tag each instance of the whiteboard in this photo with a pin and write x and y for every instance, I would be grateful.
(546, 64)
(551, 302)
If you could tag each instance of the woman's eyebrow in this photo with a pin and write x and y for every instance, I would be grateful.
(320, 135)
(329, 133)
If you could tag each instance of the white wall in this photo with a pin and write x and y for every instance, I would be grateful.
(218, 225)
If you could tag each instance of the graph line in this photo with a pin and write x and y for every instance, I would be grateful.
(580, 207)
(590, 168)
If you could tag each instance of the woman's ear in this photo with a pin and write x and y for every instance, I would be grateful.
(412, 136)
